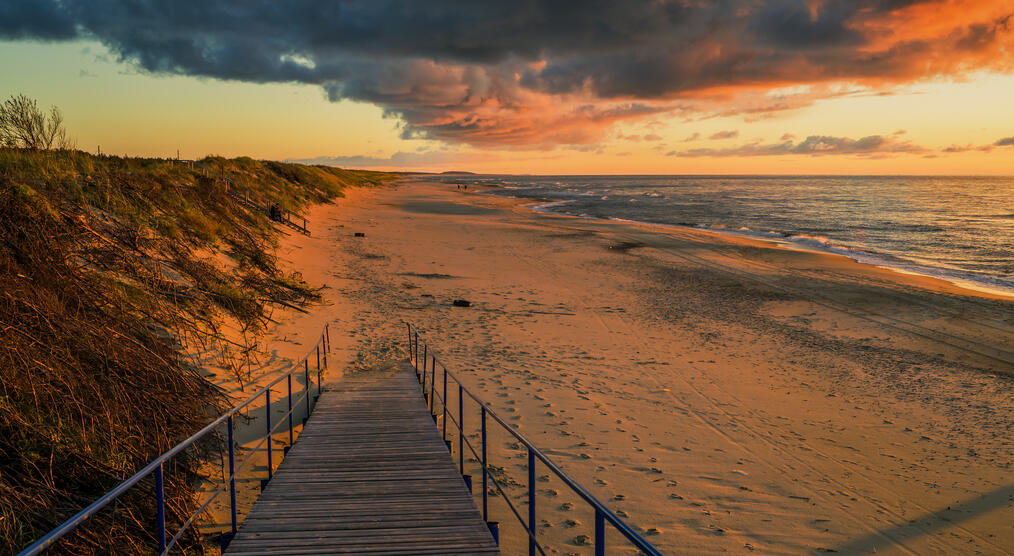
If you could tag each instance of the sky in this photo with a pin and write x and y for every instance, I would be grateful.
(530, 86)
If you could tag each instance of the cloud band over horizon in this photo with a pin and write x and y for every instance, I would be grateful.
(540, 73)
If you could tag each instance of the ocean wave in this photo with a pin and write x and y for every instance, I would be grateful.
(822, 244)
(900, 225)
(883, 260)
(545, 206)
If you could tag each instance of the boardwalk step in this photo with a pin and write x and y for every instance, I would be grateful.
(370, 474)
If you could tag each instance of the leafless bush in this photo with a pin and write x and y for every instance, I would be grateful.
(24, 125)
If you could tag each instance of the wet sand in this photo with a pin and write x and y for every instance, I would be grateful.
(723, 393)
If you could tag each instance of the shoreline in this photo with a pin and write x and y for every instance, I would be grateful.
(992, 288)
(721, 392)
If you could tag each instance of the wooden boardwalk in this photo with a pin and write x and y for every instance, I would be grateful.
(369, 475)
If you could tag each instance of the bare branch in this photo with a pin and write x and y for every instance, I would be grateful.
(23, 125)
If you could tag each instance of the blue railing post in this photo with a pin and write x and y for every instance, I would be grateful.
(494, 529)
(160, 503)
(327, 335)
(424, 359)
(318, 355)
(289, 383)
(417, 351)
(433, 384)
(600, 533)
(232, 477)
(485, 494)
(306, 382)
(461, 427)
(444, 433)
(426, 393)
(325, 358)
(267, 413)
(318, 383)
(531, 501)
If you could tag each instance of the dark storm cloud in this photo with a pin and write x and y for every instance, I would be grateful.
(43, 19)
(1005, 142)
(793, 25)
(490, 72)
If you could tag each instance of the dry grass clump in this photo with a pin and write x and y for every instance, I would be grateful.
(105, 269)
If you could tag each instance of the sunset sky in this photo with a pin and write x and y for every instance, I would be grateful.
(761, 86)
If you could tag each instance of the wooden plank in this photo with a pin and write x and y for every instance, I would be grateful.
(369, 474)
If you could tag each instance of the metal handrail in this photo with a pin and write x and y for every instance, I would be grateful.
(155, 466)
(602, 513)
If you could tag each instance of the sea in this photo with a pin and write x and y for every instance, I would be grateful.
(957, 228)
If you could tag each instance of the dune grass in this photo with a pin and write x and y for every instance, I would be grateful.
(105, 269)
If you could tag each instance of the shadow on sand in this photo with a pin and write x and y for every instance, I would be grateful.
(931, 522)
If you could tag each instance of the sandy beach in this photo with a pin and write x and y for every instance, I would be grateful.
(733, 276)
(723, 394)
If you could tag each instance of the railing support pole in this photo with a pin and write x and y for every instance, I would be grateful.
(531, 501)
(461, 427)
(485, 494)
(289, 383)
(600, 533)
(444, 432)
(433, 385)
(306, 381)
(327, 335)
(411, 356)
(232, 476)
(417, 351)
(318, 356)
(494, 529)
(325, 356)
(267, 412)
(424, 360)
(160, 503)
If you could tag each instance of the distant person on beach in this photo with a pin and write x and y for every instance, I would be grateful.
(275, 212)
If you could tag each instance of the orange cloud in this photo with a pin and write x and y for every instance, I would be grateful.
(493, 74)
